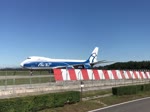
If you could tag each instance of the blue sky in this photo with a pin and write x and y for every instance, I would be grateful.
(72, 28)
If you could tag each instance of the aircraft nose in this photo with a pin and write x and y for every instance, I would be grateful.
(22, 64)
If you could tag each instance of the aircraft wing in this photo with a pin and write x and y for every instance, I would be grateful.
(100, 62)
(83, 65)
(70, 66)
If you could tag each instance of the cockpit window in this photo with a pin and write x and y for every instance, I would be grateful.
(28, 58)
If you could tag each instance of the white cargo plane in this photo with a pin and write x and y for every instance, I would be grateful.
(36, 62)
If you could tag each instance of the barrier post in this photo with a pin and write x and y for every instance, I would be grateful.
(5, 80)
(40, 77)
(81, 86)
(14, 81)
(31, 73)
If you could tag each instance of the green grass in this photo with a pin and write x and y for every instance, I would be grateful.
(26, 81)
(85, 106)
(95, 93)
(25, 72)
(82, 106)
(78, 107)
(118, 99)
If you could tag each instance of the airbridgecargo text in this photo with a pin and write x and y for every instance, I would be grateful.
(44, 64)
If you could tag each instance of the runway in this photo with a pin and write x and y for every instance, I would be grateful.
(140, 105)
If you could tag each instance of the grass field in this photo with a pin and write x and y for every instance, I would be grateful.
(28, 80)
(95, 93)
(25, 72)
(85, 106)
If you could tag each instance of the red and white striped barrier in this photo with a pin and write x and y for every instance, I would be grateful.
(89, 74)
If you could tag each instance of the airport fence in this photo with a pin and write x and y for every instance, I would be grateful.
(23, 82)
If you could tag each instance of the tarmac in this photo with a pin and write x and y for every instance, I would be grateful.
(139, 105)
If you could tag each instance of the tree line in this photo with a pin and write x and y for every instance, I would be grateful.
(131, 65)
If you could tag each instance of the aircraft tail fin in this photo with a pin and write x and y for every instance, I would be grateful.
(93, 56)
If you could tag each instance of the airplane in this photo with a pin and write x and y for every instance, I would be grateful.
(36, 62)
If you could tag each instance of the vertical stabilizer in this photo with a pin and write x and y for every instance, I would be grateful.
(93, 56)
